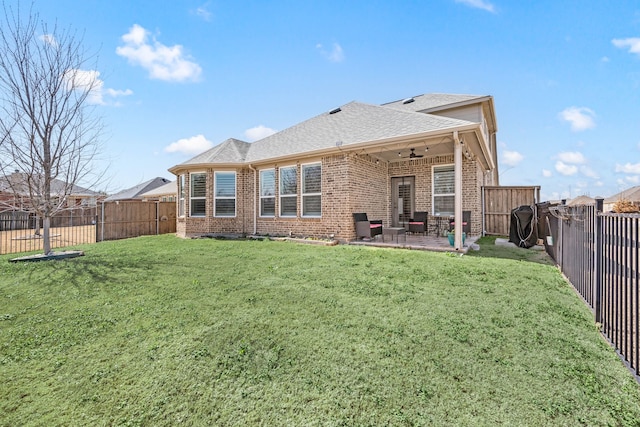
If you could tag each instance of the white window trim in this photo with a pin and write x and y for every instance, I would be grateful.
(181, 197)
(268, 197)
(235, 194)
(284, 196)
(309, 194)
(197, 198)
(433, 185)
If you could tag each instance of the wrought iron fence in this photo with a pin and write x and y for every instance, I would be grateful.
(22, 231)
(600, 255)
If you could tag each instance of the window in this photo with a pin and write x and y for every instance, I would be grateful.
(181, 195)
(443, 190)
(312, 190)
(288, 191)
(224, 198)
(198, 194)
(268, 192)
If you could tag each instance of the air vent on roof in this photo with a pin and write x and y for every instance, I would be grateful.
(337, 110)
(408, 101)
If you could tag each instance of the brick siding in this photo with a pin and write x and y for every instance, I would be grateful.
(350, 183)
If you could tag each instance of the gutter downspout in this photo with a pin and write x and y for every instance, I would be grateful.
(255, 211)
(457, 171)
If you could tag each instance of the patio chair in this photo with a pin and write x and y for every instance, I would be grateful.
(466, 222)
(418, 224)
(365, 228)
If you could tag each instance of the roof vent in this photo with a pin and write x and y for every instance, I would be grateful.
(408, 101)
(337, 110)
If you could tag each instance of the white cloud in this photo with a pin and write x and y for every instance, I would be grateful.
(633, 179)
(574, 157)
(628, 168)
(633, 43)
(89, 80)
(203, 12)
(581, 118)
(116, 92)
(85, 81)
(588, 172)
(162, 62)
(479, 4)
(49, 39)
(335, 55)
(258, 132)
(566, 169)
(605, 59)
(511, 158)
(547, 173)
(194, 145)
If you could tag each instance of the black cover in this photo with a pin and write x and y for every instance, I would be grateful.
(524, 225)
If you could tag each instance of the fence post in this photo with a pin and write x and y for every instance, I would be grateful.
(598, 261)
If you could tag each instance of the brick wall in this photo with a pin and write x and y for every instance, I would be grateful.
(350, 183)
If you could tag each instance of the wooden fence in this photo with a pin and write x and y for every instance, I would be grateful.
(497, 203)
(125, 219)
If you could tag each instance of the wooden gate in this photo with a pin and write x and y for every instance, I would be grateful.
(498, 202)
(124, 219)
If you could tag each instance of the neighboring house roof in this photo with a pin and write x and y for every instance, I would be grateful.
(431, 101)
(631, 194)
(57, 186)
(135, 193)
(581, 201)
(170, 188)
(349, 125)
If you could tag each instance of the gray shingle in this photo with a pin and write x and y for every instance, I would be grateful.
(432, 101)
(354, 123)
(136, 192)
(230, 151)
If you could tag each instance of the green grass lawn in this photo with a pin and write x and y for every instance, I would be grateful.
(163, 331)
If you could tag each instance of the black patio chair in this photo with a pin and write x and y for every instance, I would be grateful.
(366, 228)
(418, 224)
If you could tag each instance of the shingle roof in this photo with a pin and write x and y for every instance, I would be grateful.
(354, 123)
(230, 151)
(431, 101)
(57, 186)
(168, 188)
(632, 194)
(137, 191)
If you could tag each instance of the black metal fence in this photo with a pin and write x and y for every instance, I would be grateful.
(22, 231)
(600, 255)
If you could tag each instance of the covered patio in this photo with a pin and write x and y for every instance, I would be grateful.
(417, 242)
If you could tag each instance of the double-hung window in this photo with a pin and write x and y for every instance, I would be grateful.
(443, 190)
(268, 192)
(288, 191)
(312, 190)
(181, 195)
(198, 194)
(224, 200)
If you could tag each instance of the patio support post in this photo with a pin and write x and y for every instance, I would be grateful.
(457, 171)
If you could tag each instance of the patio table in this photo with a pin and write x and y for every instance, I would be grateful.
(394, 231)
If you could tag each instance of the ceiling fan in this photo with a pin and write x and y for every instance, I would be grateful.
(413, 155)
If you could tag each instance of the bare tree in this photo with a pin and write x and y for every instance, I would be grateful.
(49, 131)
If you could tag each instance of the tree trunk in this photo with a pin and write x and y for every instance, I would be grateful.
(46, 236)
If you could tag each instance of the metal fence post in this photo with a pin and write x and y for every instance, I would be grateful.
(597, 304)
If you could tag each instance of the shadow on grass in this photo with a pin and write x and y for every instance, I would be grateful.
(489, 249)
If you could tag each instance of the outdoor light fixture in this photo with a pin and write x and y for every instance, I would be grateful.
(399, 154)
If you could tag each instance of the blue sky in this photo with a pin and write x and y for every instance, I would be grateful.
(181, 76)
